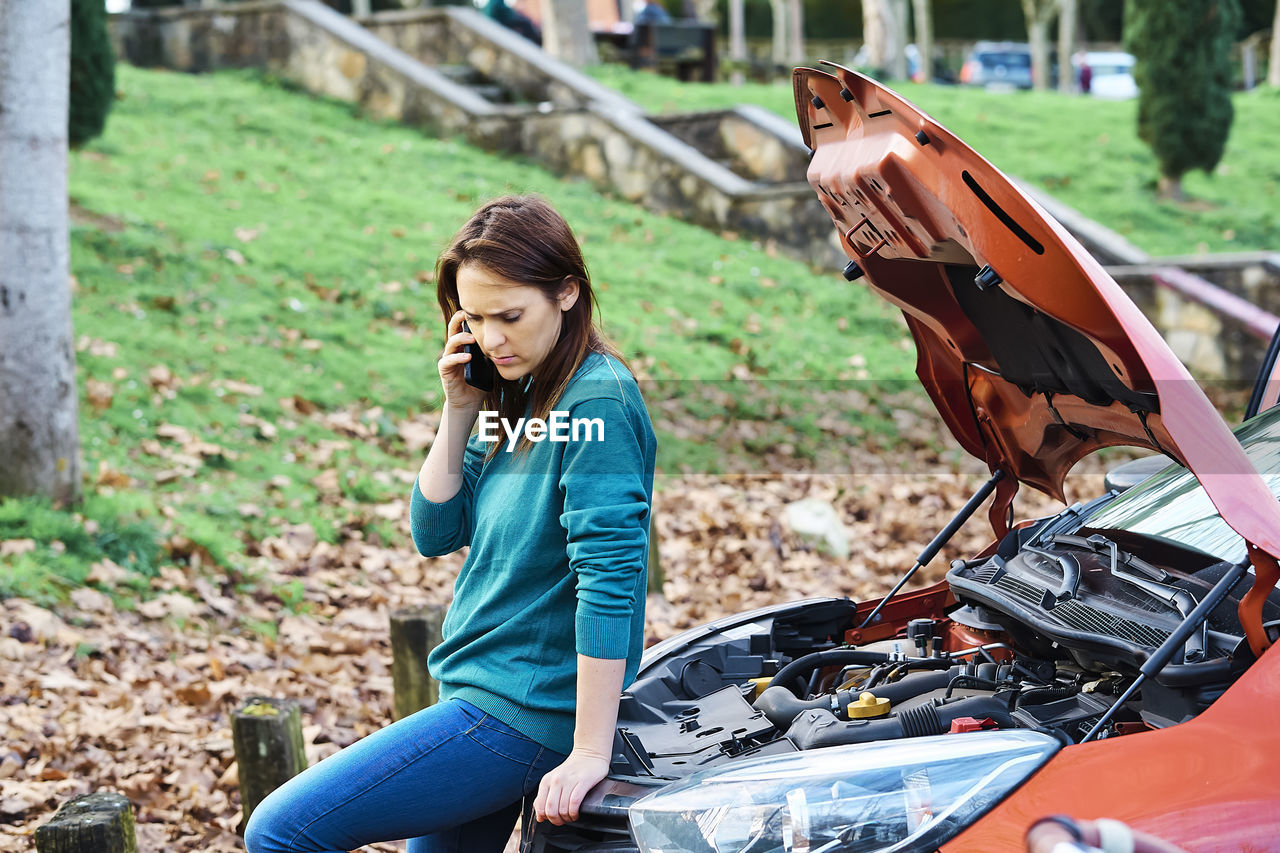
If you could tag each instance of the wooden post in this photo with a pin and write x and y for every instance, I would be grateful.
(267, 734)
(101, 822)
(656, 577)
(414, 633)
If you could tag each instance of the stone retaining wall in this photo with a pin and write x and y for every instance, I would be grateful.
(1220, 331)
(737, 139)
(570, 125)
(453, 35)
(320, 50)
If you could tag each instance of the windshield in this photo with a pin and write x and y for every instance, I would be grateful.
(1172, 505)
(1010, 59)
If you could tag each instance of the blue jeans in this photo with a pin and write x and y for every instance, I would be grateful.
(449, 778)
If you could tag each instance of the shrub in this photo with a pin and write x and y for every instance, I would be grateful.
(1183, 70)
(93, 72)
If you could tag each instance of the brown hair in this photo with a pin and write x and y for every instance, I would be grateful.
(523, 239)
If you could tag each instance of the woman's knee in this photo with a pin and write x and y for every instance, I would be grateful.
(265, 832)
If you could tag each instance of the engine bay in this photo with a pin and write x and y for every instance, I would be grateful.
(1048, 633)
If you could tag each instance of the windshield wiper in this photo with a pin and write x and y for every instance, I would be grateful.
(1130, 569)
(1194, 622)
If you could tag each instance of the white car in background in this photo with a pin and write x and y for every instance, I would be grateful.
(1112, 74)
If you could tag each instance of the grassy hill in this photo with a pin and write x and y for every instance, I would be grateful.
(1083, 151)
(257, 329)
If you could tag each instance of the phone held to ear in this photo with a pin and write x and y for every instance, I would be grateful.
(479, 371)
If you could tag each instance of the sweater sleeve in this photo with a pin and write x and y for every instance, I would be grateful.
(442, 528)
(606, 518)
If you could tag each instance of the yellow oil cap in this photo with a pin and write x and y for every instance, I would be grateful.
(867, 705)
(761, 684)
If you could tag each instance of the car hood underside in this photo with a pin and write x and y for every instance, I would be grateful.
(1032, 354)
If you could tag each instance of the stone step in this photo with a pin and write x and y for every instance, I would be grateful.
(491, 92)
(464, 75)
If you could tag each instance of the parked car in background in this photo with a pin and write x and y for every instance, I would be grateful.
(995, 65)
(915, 68)
(1113, 660)
(1110, 74)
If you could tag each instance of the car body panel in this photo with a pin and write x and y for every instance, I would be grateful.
(1197, 783)
(1097, 372)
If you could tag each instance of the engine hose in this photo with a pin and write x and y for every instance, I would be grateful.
(1197, 674)
(831, 657)
(923, 682)
(972, 681)
(804, 665)
(781, 706)
(816, 729)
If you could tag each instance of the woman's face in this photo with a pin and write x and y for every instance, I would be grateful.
(515, 324)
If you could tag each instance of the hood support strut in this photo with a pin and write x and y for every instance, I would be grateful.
(941, 539)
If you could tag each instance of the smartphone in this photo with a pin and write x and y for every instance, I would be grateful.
(479, 371)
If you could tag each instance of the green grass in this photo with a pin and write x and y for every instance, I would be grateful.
(1083, 151)
(63, 546)
(254, 307)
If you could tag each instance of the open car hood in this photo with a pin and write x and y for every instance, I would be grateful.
(1032, 354)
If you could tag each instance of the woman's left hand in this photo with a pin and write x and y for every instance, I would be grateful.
(562, 790)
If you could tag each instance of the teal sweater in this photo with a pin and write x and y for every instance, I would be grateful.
(559, 541)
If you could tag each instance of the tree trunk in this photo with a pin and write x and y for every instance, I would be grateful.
(875, 34)
(1038, 13)
(565, 33)
(1170, 189)
(795, 32)
(737, 40)
(39, 434)
(1249, 59)
(898, 30)
(924, 36)
(705, 10)
(779, 56)
(1067, 16)
(1273, 69)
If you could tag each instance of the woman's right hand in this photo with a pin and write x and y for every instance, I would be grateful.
(458, 395)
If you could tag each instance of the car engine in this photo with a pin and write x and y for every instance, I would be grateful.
(1047, 633)
(1047, 637)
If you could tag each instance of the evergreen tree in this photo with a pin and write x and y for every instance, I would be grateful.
(1183, 51)
(93, 71)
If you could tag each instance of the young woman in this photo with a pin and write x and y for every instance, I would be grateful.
(547, 621)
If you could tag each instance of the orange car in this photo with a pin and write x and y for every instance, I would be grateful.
(1110, 661)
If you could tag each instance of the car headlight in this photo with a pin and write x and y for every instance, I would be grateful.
(903, 795)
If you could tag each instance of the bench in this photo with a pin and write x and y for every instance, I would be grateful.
(688, 46)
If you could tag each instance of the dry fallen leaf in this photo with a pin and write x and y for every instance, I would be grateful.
(13, 547)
